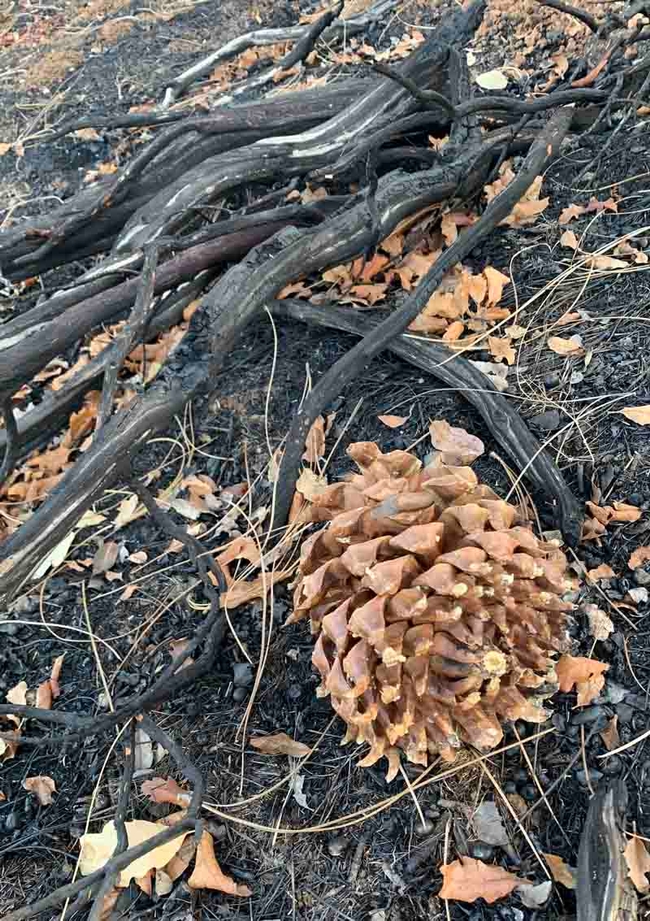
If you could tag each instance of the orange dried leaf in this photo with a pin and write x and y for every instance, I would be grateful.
(601, 572)
(55, 674)
(638, 414)
(207, 873)
(369, 293)
(638, 863)
(242, 592)
(561, 871)
(161, 790)
(496, 282)
(586, 675)
(501, 349)
(570, 213)
(280, 744)
(638, 557)
(315, 442)
(454, 331)
(470, 879)
(569, 240)
(42, 787)
(622, 511)
(560, 346)
(393, 422)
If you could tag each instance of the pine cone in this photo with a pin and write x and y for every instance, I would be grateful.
(437, 610)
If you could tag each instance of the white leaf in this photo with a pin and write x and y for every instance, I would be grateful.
(535, 896)
(298, 795)
(97, 849)
(143, 756)
(55, 557)
(492, 80)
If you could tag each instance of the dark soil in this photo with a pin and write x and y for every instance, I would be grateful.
(383, 864)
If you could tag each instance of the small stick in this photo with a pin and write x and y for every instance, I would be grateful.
(110, 879)
(586, 18)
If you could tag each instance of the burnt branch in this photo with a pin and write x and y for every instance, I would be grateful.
(344, 371)
(503, 421)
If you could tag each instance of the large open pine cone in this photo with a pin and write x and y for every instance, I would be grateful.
(437, 610)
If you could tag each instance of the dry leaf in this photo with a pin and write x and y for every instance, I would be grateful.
(105, 557)
(638, 557)
(310, 484)
(457, 446)
(610, 736)
(560, 346)
(280, 744)
(97, 849)
(17, 695)
(86, 134)
(496, 282)
(55, 557)
(315, 442)
(638, 863)
(600, 625)
(453, 332)
(161, 790)
(163, 882)
(55, 674)
(242, 592)
(586, 675)
(492, 80)
(570, 213)
(488, 824)
(601, 572)
(638, 414)
(607, 262)
(561, 871)
(569, 240)
(42, 786)
(469, 879)
(622, 511)
(8, 749)
(5, 148)
(207, 873)
(126, 511)
(501, 349)
(535, 896)
(393, 422)
(181, 860)
(369, 294)
(496, 374)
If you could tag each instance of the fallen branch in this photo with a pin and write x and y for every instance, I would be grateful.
(344, 371)
(499, 416)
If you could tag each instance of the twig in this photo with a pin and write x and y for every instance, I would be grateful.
(187, 768)
(132, 332)
(352, 364)
(120, 825)
(586, 18)
(114, 865)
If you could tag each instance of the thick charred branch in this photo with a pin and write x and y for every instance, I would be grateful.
(503, 421)
(545, 147)
(185, 147)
